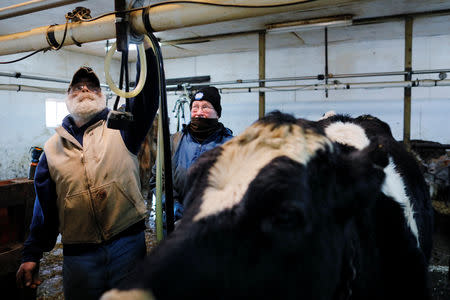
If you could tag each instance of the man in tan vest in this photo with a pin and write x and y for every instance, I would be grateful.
(88, 190)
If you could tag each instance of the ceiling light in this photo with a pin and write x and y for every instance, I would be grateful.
(311, 24)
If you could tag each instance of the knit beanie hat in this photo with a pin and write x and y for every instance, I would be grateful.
(210, 94)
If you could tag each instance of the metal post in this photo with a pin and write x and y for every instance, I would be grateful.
(262, 72)
(407, 90)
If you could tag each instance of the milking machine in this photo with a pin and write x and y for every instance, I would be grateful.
(123, 119)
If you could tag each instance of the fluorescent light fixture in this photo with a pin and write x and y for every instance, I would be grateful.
(311, 24)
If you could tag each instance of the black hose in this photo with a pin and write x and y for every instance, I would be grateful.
(168, 183)
(116, 103)
(127, 79)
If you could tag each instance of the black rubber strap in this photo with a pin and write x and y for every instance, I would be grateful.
(51, 37)
(146, 19)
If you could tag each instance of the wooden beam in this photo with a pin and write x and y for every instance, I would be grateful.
(262, 72)
(407, 90)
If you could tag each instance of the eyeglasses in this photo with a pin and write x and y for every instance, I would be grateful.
(89, 85)
(203, 108)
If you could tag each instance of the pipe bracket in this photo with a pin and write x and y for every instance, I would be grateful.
(50, 36)
(146, 19)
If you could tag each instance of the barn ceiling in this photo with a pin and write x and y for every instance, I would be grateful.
(372, 20)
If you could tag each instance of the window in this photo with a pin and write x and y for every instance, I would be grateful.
(55, 111)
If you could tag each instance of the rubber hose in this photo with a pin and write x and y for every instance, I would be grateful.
(142, 76)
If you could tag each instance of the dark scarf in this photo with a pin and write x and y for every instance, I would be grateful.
(201, 128)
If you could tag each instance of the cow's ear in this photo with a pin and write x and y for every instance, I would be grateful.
(359, 179)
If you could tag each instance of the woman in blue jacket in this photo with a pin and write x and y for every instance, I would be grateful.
(203, 133)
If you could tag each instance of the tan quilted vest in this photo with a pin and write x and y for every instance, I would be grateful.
(97, 184)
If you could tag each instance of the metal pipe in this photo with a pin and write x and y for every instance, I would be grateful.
(160, 16)
(41, 78)
(30, 88)
(330, 76)
(375, 74)
(31, 7)
(339, 86)
(423, 82)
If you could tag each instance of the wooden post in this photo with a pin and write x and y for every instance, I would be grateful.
(262, 72)
(407, 90)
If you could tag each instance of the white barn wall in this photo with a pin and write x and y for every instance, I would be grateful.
(22, 118)
(430, 106)
(22, 114)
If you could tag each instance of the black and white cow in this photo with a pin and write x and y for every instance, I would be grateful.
(280, 212)
(404, 184)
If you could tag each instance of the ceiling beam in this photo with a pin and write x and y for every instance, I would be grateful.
(31, 7)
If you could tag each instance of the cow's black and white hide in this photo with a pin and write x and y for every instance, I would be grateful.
(278, 212)
(404, 212)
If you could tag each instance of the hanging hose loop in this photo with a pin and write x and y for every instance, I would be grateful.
(142, 74)
(167, 157)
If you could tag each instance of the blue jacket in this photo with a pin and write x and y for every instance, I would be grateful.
(44, 225)
(188, 151)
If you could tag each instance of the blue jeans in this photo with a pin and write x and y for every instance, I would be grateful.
(89, 275)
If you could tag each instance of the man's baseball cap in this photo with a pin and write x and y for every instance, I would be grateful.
(84, 73)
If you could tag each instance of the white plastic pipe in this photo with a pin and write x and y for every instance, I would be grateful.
(161, 17)
(339, 86)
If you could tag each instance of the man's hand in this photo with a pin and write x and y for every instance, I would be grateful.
(28, 275)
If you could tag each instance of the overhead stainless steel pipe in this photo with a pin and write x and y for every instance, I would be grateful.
(161, 17)
(33, 77)
(30, 88)
(338, 86)
(41, 78)
(31, 7)
(317, 77)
